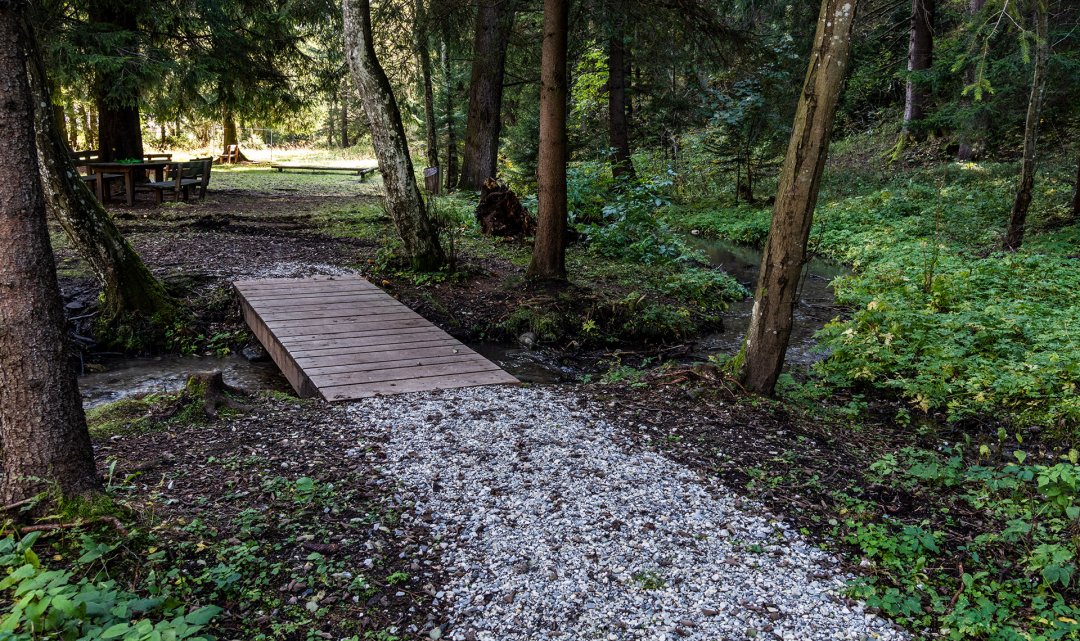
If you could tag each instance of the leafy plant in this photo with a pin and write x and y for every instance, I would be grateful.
(55, 603)
(1013, 579)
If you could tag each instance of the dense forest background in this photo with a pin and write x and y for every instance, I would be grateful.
(708, 87)
(932, 438)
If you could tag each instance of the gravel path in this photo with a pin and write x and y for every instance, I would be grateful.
(552, 525)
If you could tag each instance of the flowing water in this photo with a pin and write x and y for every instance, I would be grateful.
(133, 376)
(817, 304)
(128, 377)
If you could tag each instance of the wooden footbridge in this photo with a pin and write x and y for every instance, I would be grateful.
(342, 338)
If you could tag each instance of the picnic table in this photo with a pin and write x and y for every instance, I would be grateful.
(128, 170)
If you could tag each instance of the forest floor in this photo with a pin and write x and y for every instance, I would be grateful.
(300, 520)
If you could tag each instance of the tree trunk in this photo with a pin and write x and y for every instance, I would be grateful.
(494, 21)
(451, 130)
(920, 56)
(344, 114)
(331, 121)
(82, 117)
(762, 356)
(119, 125)
(73, 126)
(91, 126)
(1076, 195)
(119, 132)
(424, 52)
(403, 198)
(549, 252)
(128, 286)
(60, 117)
(1018, 217)
(966, 152)
(229, 135)
(619, 133)
(42, 427)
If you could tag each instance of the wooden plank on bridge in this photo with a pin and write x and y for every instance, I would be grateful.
(342, 338)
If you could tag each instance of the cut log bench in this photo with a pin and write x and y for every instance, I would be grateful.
(359, 171)
(342, 338)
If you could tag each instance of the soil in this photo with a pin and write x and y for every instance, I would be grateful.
(209, 489)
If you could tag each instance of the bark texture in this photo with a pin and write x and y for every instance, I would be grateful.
(451, 129)
(618, 125)
(549, 252)
(966, 152)
(403, 199)
(762, 356)
(920, 57)
(345, 142)
(423, 51)
(494, 21)
(1014, 237)
(42, 426)
(128, 286)
(118, 123)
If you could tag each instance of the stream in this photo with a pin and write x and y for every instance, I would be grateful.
(127, 377)
(817, 302)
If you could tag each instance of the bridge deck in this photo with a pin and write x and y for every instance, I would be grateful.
(342, 338)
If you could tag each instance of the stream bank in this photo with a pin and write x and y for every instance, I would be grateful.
(124, 377)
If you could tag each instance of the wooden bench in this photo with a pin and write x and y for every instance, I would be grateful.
(183, 176)
(99, 182)
(157, 156)
(231, 155)
(359, 171)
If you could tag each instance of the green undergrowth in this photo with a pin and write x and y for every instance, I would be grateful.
(212, 546)
(129, 415)
(79, 600)
(632, 278)
(941, 316)
(155, 411)
(969, 544)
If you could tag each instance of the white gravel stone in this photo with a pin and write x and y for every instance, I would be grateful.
(554, 526)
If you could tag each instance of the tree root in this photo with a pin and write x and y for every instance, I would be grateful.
(52, 527)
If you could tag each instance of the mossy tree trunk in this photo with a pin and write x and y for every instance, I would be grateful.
(45, 443)
(128, 286)
(1014, 237)
(403, 198)
(762, 356)
(549, 252)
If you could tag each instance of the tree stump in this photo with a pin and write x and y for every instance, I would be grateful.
(211, 388)
(500, 213)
